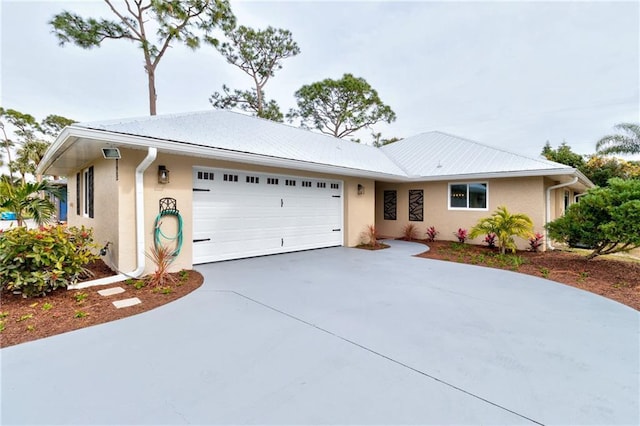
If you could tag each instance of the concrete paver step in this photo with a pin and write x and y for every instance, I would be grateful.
(126, 302)
(111, 291)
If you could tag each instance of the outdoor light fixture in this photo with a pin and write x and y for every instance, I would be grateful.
(163, 174)
(111, 153)
(360, 189)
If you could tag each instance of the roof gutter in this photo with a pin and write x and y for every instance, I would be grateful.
(152, 153)
(548, 212)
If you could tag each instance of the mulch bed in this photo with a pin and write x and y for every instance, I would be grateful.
(65, 310)
(615, 279)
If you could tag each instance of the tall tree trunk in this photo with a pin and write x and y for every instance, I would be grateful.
(151, 75)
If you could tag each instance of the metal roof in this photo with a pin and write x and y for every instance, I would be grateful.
(233, 136)
(436, 154)
(238, 132)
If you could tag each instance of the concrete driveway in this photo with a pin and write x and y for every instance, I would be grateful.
(342, 336)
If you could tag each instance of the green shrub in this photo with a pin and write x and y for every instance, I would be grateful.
(605, 219)
(34, 262)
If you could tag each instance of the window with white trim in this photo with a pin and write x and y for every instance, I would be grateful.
(471, 196)
(87, 175)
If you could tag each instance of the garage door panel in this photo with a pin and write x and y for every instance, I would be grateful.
(235, 219)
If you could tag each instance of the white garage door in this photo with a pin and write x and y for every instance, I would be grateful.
(242, 214)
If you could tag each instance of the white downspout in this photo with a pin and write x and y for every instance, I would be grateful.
(548, 212)
(152, 153)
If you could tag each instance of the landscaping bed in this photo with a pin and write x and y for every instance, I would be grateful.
(26, 319)
(618, 280)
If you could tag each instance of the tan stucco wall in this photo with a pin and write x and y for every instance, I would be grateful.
(519, 195)
(120, 223)
(105, 222)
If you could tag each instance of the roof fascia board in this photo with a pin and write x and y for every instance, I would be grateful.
(50, 155)
(517, 173)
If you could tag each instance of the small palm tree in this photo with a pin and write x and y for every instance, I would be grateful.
(628, 143)
(27, 199)
(505, 226)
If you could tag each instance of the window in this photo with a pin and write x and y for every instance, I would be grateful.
(416, 197)
(205, 176)
(88, 192)
(468, 196)
(290, 182)
(230, 178)
(321, 184)
(253, 179)
(306, 183)
(78, 185)
(390, 205)
(335, 186)
(272, 181)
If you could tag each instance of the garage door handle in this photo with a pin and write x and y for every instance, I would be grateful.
(336, 230)
(200, 190)
(335, 196)
(201, 240)
(281, 202)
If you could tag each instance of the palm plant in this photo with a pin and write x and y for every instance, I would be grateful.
(29, 199)
(505, 226)
(628, 143)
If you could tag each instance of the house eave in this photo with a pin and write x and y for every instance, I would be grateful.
(560, 174)
(75, 135)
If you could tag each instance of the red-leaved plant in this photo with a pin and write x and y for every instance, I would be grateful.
(431, 233)
(490, 239)
(536, 241)
(461, 235)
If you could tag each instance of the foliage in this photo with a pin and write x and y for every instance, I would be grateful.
(563, 155)
(607, 219)
(80, 314)
(410, 232)
(627, 141)
(188, 22)
(162, 257)
(461, 234)
(545, 272)
(247, 100)
(505, 225)
(80, 297)
(25, 199)
(536, 241)
(35, 262)
(378, 141)
(258, 53)
(32, 138)
(24, 317)
(600, 169)
(339, 107)
(490, 239)
(370, 237)
(431, 233)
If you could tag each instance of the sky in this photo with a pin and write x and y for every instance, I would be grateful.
(509, 74)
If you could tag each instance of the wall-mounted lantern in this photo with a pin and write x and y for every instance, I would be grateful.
(360, 189)
(163, 175)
